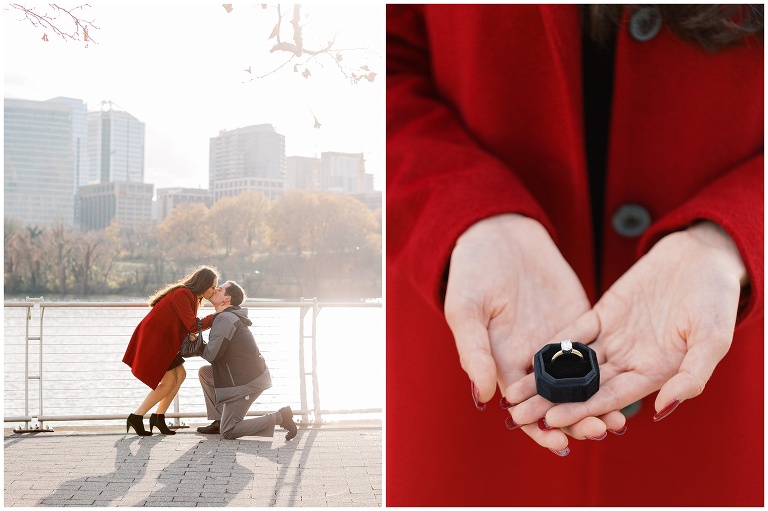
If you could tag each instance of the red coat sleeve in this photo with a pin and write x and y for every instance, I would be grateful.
(440, 181)
(185, 305)
(735, 202)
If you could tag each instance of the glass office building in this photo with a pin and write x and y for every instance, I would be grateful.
(116, 145)
(44, 159)
(250, 158)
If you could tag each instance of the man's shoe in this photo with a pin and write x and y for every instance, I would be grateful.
(287, 422)
(210, 429)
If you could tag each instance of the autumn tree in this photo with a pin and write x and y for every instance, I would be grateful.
(223, 221)
(61, 241)
(290, 234)
(238, 224)
(254, 207)
(302, 244)
(151, 251)
(189, 237)
(290, 221)
(342, 224)
(85, 254)
(15, 241)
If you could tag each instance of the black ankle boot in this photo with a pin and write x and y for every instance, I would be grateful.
(158, 419)
(137, 421)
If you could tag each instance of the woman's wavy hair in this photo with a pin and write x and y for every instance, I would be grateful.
(711, 26)
(197, 281)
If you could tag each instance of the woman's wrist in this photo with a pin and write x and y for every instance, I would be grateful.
(715, 237)
(502, 224)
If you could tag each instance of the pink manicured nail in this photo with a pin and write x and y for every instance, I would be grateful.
(669, 408)
(564, 452)
(598, 438)
(543, 424)
(476, 397)
(511, 424)
(619, 432)
(506, 404)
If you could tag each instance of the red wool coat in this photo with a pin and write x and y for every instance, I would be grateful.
(157, 339)
(484, 116)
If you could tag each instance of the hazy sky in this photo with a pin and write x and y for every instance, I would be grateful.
(180, 69)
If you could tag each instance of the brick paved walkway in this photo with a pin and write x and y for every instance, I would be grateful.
(330, 465)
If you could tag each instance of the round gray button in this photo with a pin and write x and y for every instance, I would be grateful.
(632, 410)
(631, 220)
(645, 23)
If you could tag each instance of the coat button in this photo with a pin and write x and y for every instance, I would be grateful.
(631, 410)
(631, 220)
(645, 23)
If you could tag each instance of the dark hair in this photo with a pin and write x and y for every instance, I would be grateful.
(711, 26)
(234, 291)
(197, 281)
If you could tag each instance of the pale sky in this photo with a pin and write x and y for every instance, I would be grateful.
(180, 69)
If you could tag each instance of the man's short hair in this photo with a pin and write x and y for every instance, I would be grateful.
(236, 292)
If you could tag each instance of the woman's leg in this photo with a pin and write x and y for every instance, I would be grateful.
(181, 374)
(166, 385)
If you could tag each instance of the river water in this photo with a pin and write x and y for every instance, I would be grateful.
(83, 373)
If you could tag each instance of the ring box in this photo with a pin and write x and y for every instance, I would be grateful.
(570, 378)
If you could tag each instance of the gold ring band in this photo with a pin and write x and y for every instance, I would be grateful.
(566, 348)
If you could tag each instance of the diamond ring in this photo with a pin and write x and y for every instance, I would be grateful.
(566, 348)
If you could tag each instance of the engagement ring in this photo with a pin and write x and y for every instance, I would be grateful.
(566, 348)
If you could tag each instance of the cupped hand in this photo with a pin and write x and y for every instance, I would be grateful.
(509, 291)
(663, 326)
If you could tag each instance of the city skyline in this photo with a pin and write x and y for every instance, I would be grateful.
(48, 147)
(187, 81)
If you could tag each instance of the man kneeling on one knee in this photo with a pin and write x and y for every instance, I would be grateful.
(238, 373)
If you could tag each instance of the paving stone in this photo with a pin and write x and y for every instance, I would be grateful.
(325, 466)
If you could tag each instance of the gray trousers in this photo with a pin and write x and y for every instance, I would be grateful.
(232, 414)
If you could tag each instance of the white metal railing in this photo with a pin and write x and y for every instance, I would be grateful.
(61, 338)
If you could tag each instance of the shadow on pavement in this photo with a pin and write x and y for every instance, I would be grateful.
(129, 469)
(207, 473)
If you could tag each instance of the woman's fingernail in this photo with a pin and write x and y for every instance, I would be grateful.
(543, 424)
(476, 397)
(562, 453)
(598, 438)
(506, 404)
(511, 424)
(669, 408)
(619, 432)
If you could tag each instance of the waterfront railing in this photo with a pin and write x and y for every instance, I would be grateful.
(63, 361)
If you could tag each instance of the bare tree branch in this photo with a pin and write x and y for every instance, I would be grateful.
(297, 49)
(48, 21)
(274, 70)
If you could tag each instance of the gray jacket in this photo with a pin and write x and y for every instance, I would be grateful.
(234, 356)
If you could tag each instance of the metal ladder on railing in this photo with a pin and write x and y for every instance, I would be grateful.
(36, 306)
(312, 337)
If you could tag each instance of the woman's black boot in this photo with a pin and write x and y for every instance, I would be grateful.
(158, 419)
(137, 421)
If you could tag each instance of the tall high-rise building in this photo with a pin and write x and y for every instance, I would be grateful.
(45, 158)
(115, 145)
(302, 173)
(344, 173)
(250, 158)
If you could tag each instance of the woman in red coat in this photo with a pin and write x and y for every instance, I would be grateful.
(545, 182)
(153, 353)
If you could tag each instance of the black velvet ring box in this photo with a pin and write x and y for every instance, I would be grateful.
(570, 378)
